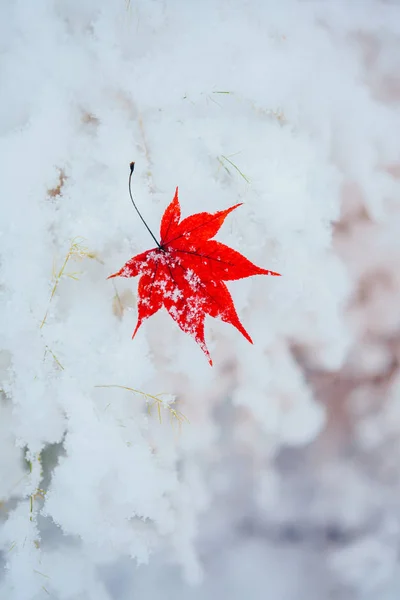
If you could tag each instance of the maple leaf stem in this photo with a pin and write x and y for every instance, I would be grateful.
(132, 167)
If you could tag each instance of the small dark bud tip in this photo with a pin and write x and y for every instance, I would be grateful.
(132, 166)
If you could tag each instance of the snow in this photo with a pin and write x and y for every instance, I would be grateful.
(290, 108)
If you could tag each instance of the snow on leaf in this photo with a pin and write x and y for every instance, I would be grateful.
(185, 274)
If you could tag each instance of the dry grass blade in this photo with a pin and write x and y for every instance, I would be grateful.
(40, 573)
(50, 351)
(39, 492)
(151, 401)
(235, 167)
(76, 251)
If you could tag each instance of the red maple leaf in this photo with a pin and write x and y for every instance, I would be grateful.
(185, 273)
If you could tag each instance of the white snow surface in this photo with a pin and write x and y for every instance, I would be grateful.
(292, 108)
